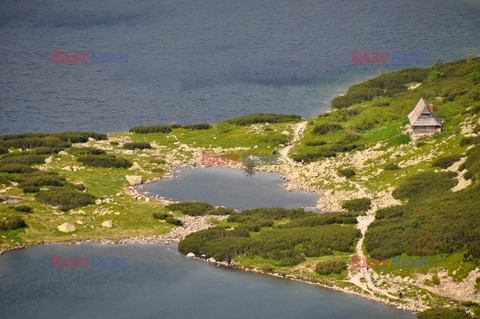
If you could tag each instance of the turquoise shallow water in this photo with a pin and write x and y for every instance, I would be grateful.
(161, 283)
(205, 61)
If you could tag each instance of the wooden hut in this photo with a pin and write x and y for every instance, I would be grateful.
(423, 120)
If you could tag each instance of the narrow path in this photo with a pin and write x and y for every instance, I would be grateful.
(297, 133)
(363, 223)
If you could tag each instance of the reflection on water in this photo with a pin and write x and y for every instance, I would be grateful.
(233, 188)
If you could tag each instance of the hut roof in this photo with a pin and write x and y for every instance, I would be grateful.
(422, 116)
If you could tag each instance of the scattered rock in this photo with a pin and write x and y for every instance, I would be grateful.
(134, 179)
(79, 222)
(136, 167)
(190, 255)
(212, 260)
(49, 159)
(66, 227)
(107, 224)
(63, 153)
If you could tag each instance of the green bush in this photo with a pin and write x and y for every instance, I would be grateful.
(25, 141)
(390, 212)
(276, 213)
(42, 178)
(475, 76)
(315, 143)
(330, 267)
(65, 198)
(469, 140)
(446, 161)
(263, 118)
(436, 72)
(23, 208)
(400, 140)
(342, 114)
(357, 204)
(85, 151)
(23, 158)
(4, 180)
(161, 216)
(222, 211)
(151, 129)
(223, 127)
(104, 161)
(53, 140)
(285, 246)
(353, 96)
(392, 233)
(472, 164)
(275, 139)
(16, 168)
(384, 85)
(202, 126)
(174, 221)
(31, 189)
(80, 137)
(325, 128)
(425, 183)
(322, 219)
(46, 150)
(391, 167)
(443, 313)
(136, 145)
(435, 280)
(191, 208)
(343, 146)
(3, 150)
(347, 172)
(12, 223)
(319, 153)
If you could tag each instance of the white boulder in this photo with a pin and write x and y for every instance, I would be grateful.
(66, 227)
(136, 167)
(134, 179)
(107, 224)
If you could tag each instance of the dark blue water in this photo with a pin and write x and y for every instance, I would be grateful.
(231, 188)
(204, 61)
(161, 283)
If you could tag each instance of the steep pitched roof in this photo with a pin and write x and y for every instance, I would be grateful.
(422, 116)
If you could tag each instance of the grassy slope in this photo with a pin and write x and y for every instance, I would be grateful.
(135, 216)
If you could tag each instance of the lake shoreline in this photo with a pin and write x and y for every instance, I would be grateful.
(232, 266)
(166, 239)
